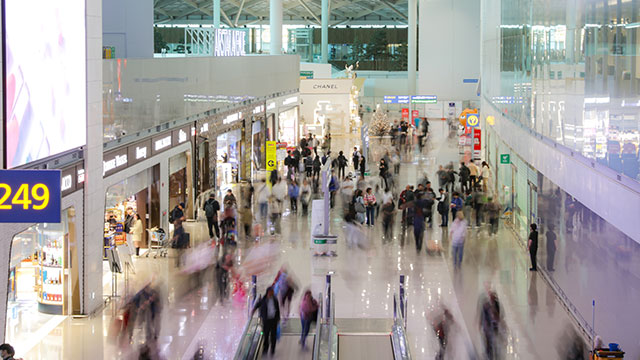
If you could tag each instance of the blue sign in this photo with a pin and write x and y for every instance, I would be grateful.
(396, 99)
(30, 196)
(390, 99)
(473, 121)
(469, 81)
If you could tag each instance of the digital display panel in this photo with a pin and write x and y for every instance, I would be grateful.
(44, 78)
(30, 196)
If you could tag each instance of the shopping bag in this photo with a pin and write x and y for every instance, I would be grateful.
(278, 332)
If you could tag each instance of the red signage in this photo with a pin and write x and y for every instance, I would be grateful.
(405, 113)
(477, 145)
(414, 114)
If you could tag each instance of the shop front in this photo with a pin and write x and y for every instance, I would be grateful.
(258, 141)
(146, 180)
(44, 272)
(288, 113)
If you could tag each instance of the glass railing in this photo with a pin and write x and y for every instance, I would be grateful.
(399, 341)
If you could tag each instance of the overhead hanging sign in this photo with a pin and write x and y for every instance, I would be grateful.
(396, 99)
(30, 196)
(424, 99)
(229, 42)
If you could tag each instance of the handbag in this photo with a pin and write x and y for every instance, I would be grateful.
(360, 208)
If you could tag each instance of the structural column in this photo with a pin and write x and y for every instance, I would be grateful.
(412, 43)
(325, 31)
(275, 27)
(216, 14)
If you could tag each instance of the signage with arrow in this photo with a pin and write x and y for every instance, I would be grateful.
(271, 156)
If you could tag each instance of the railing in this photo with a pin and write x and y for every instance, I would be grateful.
(399, 341)
(316, 344)
(252, 330)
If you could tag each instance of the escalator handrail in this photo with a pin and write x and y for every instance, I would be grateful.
(316, 343)
(399, 341)
(247, 333)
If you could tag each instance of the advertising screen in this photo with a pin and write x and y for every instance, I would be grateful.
(45, 79)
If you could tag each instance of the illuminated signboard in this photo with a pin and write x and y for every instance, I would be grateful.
(232, 118)
(45, 72)
(424, 99)
(30, 196)
(396, 99)
(229, 42)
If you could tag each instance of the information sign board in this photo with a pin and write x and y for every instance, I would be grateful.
(30, 196)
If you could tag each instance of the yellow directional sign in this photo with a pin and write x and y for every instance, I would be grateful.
(473, 120)
(271, 158)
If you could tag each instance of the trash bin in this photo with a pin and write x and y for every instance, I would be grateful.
(324, 245)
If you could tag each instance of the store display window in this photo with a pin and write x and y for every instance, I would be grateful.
(288, 129)
(228, 151)
(42, 281)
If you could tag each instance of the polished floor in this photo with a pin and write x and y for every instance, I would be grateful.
(364, 282)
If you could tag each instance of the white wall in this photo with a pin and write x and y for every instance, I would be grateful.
(128, 25)
(597, 187)
(448, 48)
(320, 71)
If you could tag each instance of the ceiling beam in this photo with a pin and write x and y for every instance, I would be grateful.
(197, 7)
(304, 5)
(390, 6)
(235, 24)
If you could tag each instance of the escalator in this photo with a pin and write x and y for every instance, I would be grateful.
(331, 339)
(288, 346)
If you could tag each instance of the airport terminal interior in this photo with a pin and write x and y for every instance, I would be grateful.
(320, 179)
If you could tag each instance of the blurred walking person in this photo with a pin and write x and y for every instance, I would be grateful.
(308, 314)
(457, 235)
(491, 324)
(443, 207)
(211, 208)
(270, 316)
(532, 245)
(370, 204)
(388, 213)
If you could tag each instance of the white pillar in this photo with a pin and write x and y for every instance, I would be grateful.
(275, 27)
(216, 14)
(325, 31)
(412, 43)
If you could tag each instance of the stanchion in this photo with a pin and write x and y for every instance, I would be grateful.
(328, 296)
(402, 296)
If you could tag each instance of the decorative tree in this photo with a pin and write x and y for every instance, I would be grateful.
(380, 125)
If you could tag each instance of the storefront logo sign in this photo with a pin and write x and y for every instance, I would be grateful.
(66, 182)
(141, 152)
(112, 164)
(232, 118)
(162, 143)
(291, 100)
(80, 176)
(271, 105)
(229, 42)
(259, 109)
(204, 128)
(182, 136)
(325, 86)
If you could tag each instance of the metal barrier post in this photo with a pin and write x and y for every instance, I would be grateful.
(328, 296)
(254, 289)
(402, 296)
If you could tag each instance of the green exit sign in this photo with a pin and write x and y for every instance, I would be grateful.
(505, 159)
(306, 74)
